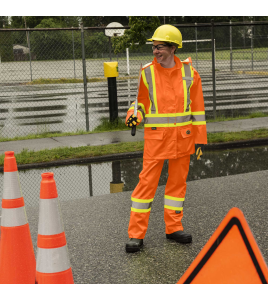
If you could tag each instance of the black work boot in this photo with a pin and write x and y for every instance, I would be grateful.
(134, 245)
(180, 237)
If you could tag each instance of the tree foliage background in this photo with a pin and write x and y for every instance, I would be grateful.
(59, 44)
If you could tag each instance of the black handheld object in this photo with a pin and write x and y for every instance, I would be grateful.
(133, 130)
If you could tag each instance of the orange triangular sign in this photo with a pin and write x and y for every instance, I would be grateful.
(231, 255)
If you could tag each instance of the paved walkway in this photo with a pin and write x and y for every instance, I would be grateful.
(105, 138)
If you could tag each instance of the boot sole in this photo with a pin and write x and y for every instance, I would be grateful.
(182, 241)
(133, 249)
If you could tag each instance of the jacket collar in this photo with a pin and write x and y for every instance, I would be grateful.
(176, 59)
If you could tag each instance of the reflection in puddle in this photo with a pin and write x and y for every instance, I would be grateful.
(95, 179)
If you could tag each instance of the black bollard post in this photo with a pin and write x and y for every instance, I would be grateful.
(113, 105)
(116, 186)
(111, 72)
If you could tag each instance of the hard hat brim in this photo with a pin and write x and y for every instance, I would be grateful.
(163, 40)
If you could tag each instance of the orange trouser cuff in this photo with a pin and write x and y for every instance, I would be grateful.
(172, 220)
(138, 225)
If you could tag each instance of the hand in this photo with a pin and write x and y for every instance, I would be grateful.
(132, 121)
(199, 150)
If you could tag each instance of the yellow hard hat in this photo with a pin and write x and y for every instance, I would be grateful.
(167, 33)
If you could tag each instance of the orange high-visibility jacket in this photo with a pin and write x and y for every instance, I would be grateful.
(172, 105)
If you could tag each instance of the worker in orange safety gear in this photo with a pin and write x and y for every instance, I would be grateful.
(171, 103)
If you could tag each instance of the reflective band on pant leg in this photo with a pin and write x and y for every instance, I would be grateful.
(11, 188)
(174, 204)
(12, 217)
(49, 217)
(52, 260)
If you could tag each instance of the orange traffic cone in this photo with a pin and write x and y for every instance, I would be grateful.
(52, 263)
(17, 261)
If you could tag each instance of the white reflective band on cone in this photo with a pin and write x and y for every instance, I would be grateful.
(11, 186)
(52, 260)
(49, 217)
(12, 217)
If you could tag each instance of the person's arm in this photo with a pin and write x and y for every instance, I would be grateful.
(198, 110)
(143, 103)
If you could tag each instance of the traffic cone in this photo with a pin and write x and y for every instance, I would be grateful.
(17, 261)
(52, 263)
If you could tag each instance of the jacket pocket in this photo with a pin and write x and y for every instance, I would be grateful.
(186, 132)
(186, 141)
(153, 135)
(154, 144)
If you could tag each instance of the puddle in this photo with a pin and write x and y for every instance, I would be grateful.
(86, 180)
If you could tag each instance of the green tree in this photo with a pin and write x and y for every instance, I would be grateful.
(103, 21)
(137, 35)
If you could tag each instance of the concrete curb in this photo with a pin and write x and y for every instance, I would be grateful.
(137, 154)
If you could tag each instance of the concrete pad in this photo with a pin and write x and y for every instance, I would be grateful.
(96, 230)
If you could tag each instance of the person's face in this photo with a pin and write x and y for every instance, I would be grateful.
(165, 53)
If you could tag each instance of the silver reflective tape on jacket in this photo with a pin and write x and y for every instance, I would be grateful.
(12, 217)
(52, 260)
(12, 188)
(173, 203)
(166, 120)
(50, 221)
(198, 118)
(148, 75)
(189, 79)
(141, 205)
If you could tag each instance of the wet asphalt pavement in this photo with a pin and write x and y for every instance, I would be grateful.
(96, 230)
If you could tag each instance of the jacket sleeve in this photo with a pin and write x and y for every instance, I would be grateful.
(143, 101)
(198, 110)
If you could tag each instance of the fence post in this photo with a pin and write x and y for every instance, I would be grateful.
(213, 69)
(251, 47)
(231, 47)
(84, 75)
(196, 47)
(73, 52)
(29, 45)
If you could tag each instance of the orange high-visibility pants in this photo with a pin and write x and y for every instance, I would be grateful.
(143, 195)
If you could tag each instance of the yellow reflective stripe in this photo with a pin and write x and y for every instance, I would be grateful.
(142, 106)
(142, 200)
(173, 208)
(144, 79)
(198, 113)
(168, 115)
(184, 87)
(200, 123)
(174, 198)
(146, 84)
(170, 124)
(140, 210)
(192, 75)
(154, 89)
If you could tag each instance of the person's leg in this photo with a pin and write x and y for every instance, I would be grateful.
(142, 198)
(175, 193)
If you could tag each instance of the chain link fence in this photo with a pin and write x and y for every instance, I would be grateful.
(83, 181)
(42, 87)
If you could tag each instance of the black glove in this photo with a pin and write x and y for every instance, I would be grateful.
(199, 150)
(132, 120)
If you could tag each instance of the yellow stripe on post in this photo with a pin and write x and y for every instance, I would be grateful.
(111, 69)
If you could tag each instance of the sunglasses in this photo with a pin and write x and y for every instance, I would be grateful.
(159, 47)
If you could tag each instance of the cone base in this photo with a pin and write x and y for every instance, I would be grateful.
(17, 260)
(65, 277)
